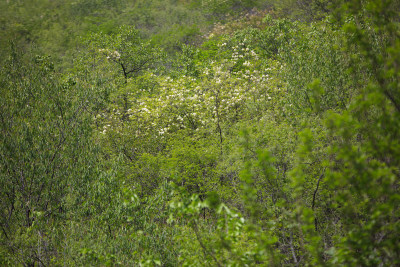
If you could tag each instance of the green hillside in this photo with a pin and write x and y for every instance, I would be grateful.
(199, 133)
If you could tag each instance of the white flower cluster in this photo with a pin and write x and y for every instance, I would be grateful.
(110, 54)
(192, 103)
(243, 51)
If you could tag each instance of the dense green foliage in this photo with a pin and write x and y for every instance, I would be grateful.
(200, 133)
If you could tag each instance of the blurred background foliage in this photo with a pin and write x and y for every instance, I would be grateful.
(199, 133)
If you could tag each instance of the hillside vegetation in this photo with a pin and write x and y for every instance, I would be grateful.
(199, 133)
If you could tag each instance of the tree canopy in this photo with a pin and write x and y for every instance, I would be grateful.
(200, 133)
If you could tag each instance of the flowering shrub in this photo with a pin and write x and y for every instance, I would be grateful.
(220, 95)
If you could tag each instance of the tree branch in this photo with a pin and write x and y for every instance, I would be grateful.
(205, 250)
(316, 189)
